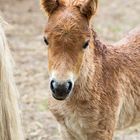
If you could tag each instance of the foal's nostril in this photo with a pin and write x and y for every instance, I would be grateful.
(53, 85)
(69, 86)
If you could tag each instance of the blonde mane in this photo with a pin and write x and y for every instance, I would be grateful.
(10, 125)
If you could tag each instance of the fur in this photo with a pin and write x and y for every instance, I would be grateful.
(10, 123)
(106, 93)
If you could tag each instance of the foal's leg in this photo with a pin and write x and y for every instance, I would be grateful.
(104, 131)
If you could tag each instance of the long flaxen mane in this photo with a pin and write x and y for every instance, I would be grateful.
(10, 124)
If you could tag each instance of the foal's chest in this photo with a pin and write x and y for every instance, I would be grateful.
(75, 125)
(79, 120)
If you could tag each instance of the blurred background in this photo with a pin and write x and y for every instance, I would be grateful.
(25, 36)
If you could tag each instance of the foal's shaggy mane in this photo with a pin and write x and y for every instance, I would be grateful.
(100, 47)
(10, 125)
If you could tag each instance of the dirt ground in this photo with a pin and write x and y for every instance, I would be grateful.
(25, 37)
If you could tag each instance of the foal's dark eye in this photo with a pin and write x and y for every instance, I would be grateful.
(46, 41)
(86, 44)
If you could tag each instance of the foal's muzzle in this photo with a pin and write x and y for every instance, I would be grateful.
(60, 90)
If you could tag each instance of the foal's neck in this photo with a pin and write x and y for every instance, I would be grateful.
(91, 71)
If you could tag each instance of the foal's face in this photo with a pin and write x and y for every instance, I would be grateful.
(67, 37)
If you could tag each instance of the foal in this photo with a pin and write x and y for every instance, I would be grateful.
(95, 87)
(10, 125)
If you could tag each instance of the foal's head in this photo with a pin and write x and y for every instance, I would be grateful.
(67, 36)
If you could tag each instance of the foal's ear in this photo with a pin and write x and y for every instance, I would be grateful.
(89, 7)
(49, 5)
